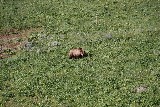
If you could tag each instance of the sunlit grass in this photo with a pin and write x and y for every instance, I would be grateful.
(121, 38)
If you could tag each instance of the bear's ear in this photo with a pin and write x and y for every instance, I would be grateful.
(80, 48)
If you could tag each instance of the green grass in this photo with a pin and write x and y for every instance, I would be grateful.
(109, 76)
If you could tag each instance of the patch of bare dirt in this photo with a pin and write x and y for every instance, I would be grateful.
(11, 41)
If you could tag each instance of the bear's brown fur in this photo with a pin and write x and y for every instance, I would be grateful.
(76, 53)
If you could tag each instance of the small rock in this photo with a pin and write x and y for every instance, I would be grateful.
(55, 43)
(140, 89)
(108, 36)
(28, 45)
(156, 52)
(62, 36)
(42, 35)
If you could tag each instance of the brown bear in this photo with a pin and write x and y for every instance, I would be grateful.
(76, 53)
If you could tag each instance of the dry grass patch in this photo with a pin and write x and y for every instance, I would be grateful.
(12, 40)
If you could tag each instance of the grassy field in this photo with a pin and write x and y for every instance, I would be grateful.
(122, 38)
